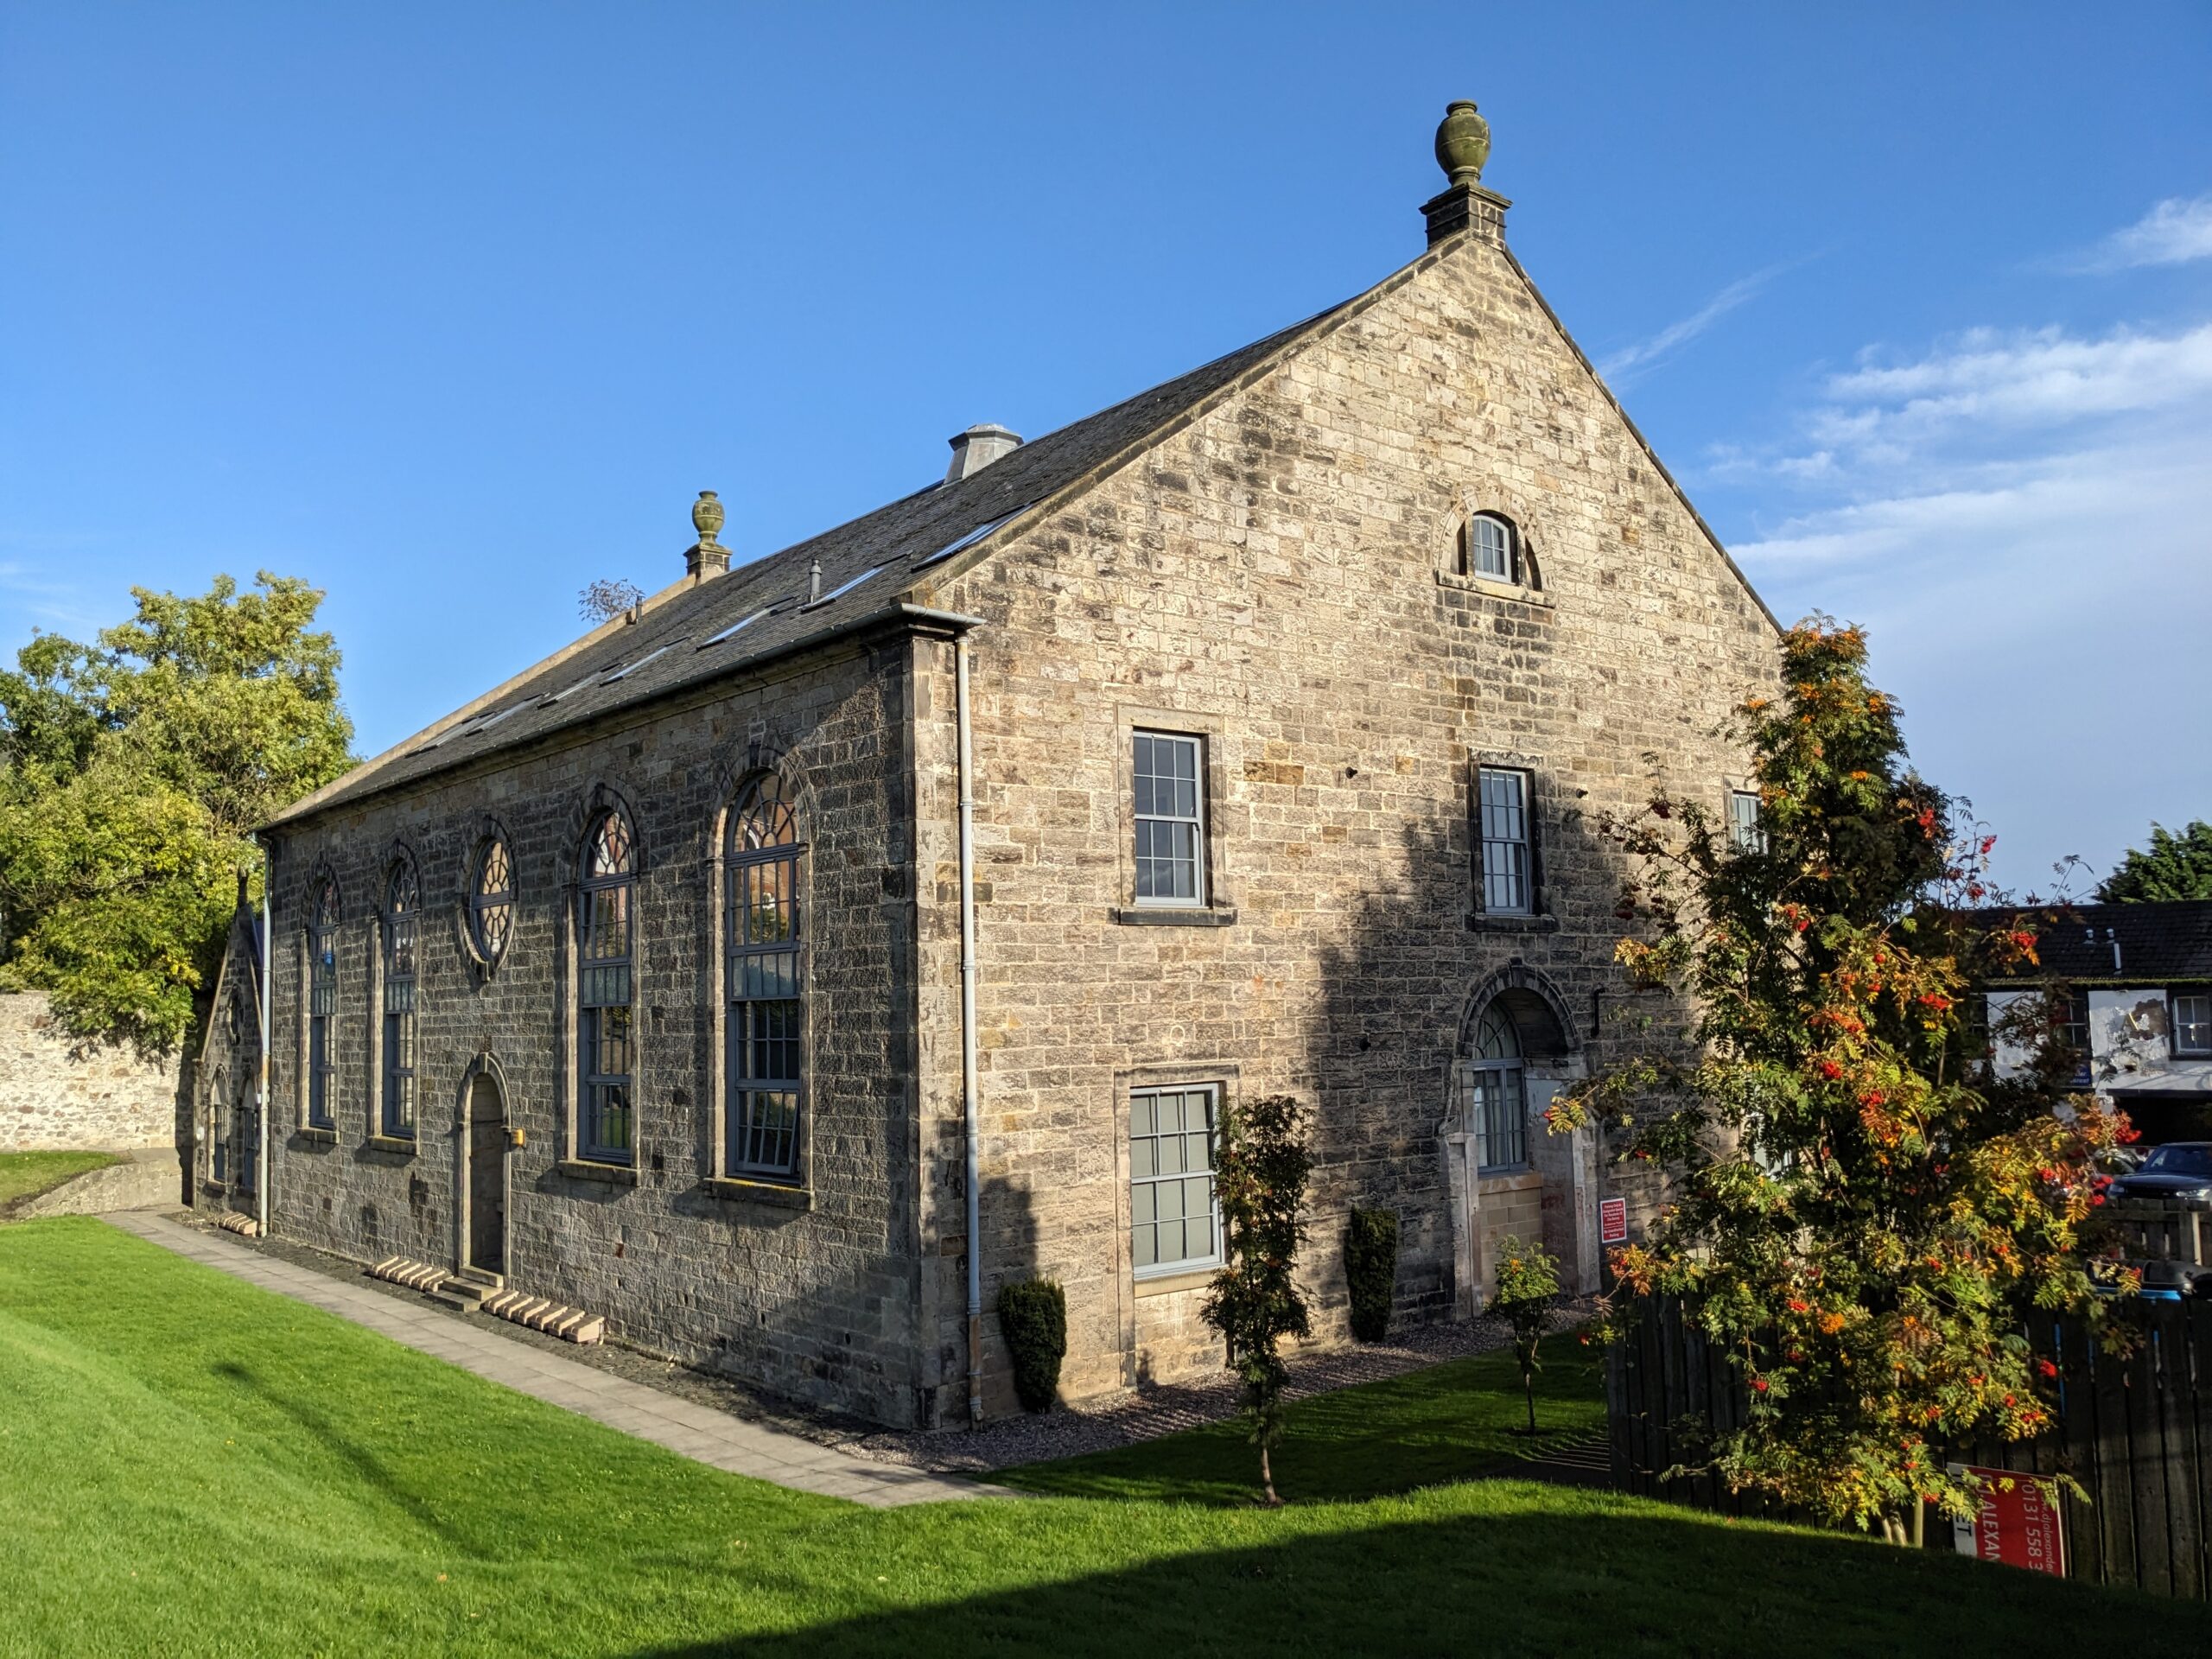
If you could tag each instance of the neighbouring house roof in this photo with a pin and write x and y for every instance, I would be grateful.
(2159, 943)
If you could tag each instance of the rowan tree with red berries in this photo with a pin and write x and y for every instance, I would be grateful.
(1860, 1214)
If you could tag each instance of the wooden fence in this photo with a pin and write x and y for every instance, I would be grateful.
(2134, 1429)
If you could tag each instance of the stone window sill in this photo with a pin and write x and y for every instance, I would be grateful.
(401, 1146)
(1167, 1283)
(1482, 923)
(579, 1169)
(775, 1194)
(1517, 1180)
(1171, 916)
(1491, 588)
(315, 1136)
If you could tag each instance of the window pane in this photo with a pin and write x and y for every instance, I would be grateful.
(1502, 798)
(1170, 1174)
(1169, 810)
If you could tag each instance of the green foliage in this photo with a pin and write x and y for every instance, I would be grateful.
(132, 774)
(1261, 1175)
(1371, 1271)
(1861, 1220)
(26, 1174)
(2173, 867)
(1033, 1320)
(1528, 1286)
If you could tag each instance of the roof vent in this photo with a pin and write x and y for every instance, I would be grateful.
(976, 448)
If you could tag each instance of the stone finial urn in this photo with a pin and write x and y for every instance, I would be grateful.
(1462, 142)
(707, 515)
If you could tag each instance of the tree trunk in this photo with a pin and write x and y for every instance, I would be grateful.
(1529, 1387)
(1267, 1478)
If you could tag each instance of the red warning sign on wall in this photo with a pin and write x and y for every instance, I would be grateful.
(1612, 1221)
(2017, 1526)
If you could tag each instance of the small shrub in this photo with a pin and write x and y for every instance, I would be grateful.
(1033, 1320)
(1528, 1284)
(1371, 1271)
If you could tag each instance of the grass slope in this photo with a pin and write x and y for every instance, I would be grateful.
(27, 1174)
(189, 1465)
(1448, 1423)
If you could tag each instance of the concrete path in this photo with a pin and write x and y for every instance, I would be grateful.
(694, 1431)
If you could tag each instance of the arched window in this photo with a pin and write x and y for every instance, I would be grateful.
(606, 1050)
(1498, 1107)
(402, 918)
(491, 901)
(1489, 548)
(767, 1058)
(322, 1005)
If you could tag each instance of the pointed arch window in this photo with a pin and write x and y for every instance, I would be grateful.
(767, 1061)
(491, 901)
(402, 938)
(1497, 1106)
(606, 1056)
(322, 1006)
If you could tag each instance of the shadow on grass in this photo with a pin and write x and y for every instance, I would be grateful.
(372, 1471)
(1450, 1422)
(1557, 1574)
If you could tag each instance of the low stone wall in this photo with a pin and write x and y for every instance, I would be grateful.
(152, 1178)
(52, 1099)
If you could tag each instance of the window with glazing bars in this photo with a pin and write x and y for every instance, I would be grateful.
(491, 901)
(1508, 879)
(322, 1006)
(402, 906)
(766, 1064)
(606, 1033)
(2193, 1025)
(1745, 833)
(2075, 1034)
(1170, 813)
(1174, 1222)
(1498, 1108)
(1486, 548)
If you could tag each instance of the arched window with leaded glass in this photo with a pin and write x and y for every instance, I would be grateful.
(322, 1006)
(491, 901)
(606, 1047)
(766, 1063)
(1498, 1102)
(403, 908)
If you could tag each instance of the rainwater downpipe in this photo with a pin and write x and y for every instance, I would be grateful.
(261, 1066)
(968, 1111)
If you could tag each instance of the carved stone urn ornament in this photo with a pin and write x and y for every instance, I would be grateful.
(1462, 142)
(707, 512)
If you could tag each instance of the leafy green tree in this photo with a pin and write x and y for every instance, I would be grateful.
(1861, 1220)
(1528, 1286)
(1260, 1174)
(132, 773)
(2173, 867)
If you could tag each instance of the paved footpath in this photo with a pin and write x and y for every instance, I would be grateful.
(694, 1431)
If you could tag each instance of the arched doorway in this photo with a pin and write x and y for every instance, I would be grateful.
(1507, 1174)
(484, 1174)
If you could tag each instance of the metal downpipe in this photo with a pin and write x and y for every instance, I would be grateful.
(967, 1109)
(266, 1012)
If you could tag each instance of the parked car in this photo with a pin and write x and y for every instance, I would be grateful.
(2179, 1172)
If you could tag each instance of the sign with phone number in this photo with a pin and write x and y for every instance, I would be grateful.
(2013, 1523)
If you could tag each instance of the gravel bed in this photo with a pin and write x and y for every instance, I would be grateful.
(1143, 1414)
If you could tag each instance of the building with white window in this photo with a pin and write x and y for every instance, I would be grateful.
(2129, 987)
(830, 939)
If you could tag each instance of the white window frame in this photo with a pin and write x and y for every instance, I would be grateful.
(1150, 1183)
(1509, 547)
(1525, 782)
(1195, 822)
(2202, 1021)
(1746, 833)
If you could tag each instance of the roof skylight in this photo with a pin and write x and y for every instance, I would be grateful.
(841, 590)
(628, 669)
(967, 541)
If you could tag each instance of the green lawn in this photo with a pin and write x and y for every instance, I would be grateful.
(1444, 1424)
(188, 1464)
(27, 1174)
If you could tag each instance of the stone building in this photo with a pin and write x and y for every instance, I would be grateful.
(1275, 703)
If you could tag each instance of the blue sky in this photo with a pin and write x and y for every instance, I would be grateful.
(452, 309)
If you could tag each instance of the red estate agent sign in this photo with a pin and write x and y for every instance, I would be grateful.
(1612, 1221)
(2018, 1528)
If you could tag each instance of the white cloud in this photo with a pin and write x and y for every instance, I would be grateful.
(1646, 354)
(2174, 232)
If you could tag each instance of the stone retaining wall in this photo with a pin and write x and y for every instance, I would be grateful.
(54, 1099)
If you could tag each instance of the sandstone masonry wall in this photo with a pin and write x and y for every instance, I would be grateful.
(54, 1099)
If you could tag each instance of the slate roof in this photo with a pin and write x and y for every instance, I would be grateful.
(2159, 943)
(867, 564)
